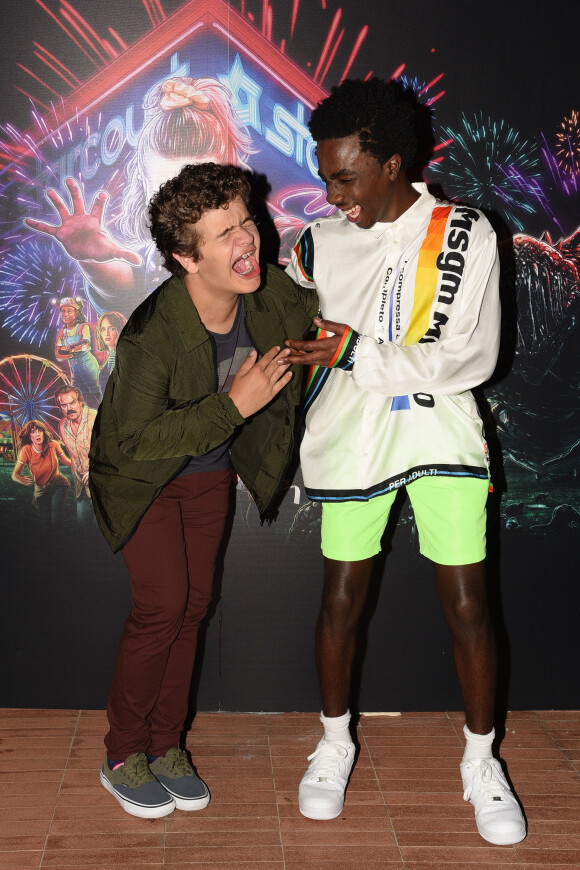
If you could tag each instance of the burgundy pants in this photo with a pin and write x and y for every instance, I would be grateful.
(171, 561)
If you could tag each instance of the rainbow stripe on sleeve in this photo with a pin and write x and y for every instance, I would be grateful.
(427, 275)
(304, 250)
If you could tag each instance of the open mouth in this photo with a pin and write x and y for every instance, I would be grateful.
(247, 266)
(352, 214)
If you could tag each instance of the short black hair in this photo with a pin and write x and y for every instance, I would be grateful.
(180, 203)
(381, 113)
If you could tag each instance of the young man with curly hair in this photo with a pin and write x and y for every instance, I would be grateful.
(200, 391)
(412, 284)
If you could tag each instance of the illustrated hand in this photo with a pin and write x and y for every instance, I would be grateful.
(319, 351)
(85, 478)
(257, 381)
(82, 233)
(71, 349)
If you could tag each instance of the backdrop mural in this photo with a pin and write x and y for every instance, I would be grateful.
(100, 106)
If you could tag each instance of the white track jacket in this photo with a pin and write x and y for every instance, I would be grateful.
(421, 296)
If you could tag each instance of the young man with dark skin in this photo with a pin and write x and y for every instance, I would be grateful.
(412, 284)
(200, 390)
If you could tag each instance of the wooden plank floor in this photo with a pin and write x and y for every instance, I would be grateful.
(404, 806)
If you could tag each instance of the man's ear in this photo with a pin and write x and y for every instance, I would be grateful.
(393, 166)
(190, 265)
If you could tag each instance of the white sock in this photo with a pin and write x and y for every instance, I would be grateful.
(336, 728)
(477, 746)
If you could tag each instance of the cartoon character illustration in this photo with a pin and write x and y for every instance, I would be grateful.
(73, 344)
(109, 326)
(186, 120)
(75, 430)
(41, 454)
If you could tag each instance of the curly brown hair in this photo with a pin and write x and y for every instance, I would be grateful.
(24, 434)
(181, 202)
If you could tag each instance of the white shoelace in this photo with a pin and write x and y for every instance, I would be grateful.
(491, 787)
(326, 757)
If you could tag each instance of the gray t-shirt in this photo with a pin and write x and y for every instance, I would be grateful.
(232, 348)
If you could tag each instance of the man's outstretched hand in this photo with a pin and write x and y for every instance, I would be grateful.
(320, 351)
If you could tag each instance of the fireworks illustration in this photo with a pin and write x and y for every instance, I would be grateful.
(427, 93)
(50, 79)
(491, 166)
(568, 145)
(32, 276)
(561, 182)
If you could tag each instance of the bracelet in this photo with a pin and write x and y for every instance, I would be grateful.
(344, 355)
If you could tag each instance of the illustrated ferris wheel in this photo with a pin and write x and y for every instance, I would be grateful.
(27, 387)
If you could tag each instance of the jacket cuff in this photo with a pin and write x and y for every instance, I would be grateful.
(232, 410)
(345, 352)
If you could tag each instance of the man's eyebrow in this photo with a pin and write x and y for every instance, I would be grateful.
(336, 174)
(225, 231)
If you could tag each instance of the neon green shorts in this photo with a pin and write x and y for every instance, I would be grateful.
(450, 513)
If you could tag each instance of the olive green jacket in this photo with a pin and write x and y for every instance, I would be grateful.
(161, 405)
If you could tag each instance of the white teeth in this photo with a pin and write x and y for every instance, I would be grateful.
(245, 258)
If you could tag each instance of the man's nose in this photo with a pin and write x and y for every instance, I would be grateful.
(244, 236)
(333, 195)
